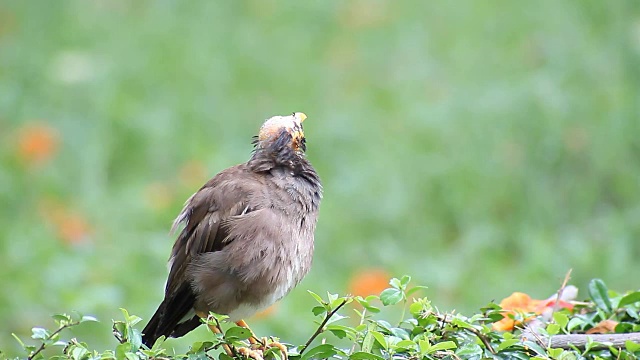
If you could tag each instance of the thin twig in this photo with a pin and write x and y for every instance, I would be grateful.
(478, 334)
(567, 277)
(321, 327)
(44, 341)
(482, 338)
(362, 316)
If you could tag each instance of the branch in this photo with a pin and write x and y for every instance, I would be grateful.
(478, 334)
(580, 340)
(44, 341)
(321, 327)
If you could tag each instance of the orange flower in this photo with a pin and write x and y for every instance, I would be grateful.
(516, 303)
(522, 304)
(71, 227)
(37, 143)
(368, 282)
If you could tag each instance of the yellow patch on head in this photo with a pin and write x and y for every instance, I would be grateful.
(300, 115)
(292, 124)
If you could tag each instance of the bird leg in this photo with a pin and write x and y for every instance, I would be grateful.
(253, 339)
(227, 348)
(262, 344)
(216, 330)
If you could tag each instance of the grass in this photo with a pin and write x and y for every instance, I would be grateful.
(482, 148)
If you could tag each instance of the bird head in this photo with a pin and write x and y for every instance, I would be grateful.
(281, 133)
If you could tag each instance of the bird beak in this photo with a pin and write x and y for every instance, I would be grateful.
(300, 116)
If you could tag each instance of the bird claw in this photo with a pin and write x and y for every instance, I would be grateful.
(257, 349)
(283, 349)
(250, 353)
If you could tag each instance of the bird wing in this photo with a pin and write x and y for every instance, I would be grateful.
(204, 216)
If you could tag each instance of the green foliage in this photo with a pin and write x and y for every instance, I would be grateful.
(425, 334)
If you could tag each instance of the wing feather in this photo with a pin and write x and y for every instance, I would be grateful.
(203, 216)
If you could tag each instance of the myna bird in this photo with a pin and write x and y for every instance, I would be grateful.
(248, 235)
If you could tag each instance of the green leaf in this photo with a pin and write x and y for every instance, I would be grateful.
(599, 294)
(18, 339)
(88, 318)
(425, 346)
(158, 344)
(535, 347)
(321, 351)
(79, 352)
(416, 288)
(337, 302)
(631, 346)
(336, 317)
(555, 353)
(395, 283)
(224, 356)
(406, 279)
(135, 338)
(444, 345)
(574, 323)
(507, 344)
(416, 308)
(273, 353)
(362, 355)
(406, 344)
(342, 328)
(366, 303)
(553, 329)
(237, 333)
(339, 333)
(380, 339)
(121, 350)
(39, 333)
(628, 299)
(391, 296)
(561, 319)
(372, 309)
(461, 323)
(624, 327)
(400, 333)
(317, 310)
(367, 342)
(317, 298)
(469, 350)
(331, 297)
(62, 319)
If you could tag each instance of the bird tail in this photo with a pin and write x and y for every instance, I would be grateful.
(150, 332)
(172, 318)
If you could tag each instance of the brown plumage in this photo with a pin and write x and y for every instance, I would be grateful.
(248, 234)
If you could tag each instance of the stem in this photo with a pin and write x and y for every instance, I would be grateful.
(404, 309)
(321, 327)
(44, 342)
(474, 331)
(362, 316)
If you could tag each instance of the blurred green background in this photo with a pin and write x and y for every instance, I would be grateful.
(482, 147)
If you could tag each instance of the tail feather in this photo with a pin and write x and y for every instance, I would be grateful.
(168, 320)
(150, 332)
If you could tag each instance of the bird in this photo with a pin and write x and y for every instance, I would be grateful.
(247, 235)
